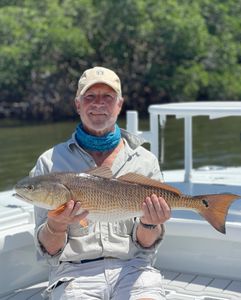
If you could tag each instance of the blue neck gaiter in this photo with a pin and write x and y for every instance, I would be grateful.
(97, 143)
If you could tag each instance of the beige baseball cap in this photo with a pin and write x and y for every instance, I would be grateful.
(98, 75)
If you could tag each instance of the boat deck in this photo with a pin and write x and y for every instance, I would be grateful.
(178, 286)
(31, 293)
(184, 286)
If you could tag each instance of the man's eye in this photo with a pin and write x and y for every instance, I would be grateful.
(108, 97)
(89, 97)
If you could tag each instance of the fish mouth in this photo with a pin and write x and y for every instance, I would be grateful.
(17, 195)
(20, 197)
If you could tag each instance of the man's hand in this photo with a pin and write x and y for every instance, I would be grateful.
(156, 210)
(52, 236)
(70, 215)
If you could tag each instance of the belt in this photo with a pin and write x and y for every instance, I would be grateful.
(90, 260)
(84, 261)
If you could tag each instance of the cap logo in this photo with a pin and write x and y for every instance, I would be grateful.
(99, 72)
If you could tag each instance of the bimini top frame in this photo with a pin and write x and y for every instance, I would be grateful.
(186, 110)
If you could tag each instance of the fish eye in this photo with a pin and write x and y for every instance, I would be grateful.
(30, 187)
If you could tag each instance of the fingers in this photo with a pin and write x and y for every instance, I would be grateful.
(156, 210)
(75, 209)
(77, 218)
(165, 208)
(70, 205)
(71, 214)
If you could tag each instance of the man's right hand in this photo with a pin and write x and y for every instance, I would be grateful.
(70, 215)
(52, 236)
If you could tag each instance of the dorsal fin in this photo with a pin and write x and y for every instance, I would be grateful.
(102, 171)
(140, 179)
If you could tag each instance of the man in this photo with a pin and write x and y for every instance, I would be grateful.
(101, 260)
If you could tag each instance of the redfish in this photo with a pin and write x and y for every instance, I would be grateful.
(112, 199)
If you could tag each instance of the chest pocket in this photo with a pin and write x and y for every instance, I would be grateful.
(122, 228)
(76, 230)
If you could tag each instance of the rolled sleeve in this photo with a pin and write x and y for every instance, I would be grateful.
(155, 246)
(42, 253)
(40, 219)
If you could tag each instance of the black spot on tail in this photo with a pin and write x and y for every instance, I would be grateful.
(205, 202)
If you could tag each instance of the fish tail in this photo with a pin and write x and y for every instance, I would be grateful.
(214, 208)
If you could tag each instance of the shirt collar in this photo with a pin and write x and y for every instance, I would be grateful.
(133, 140)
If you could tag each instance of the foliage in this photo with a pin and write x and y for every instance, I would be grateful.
(163, 51)
(40, 52)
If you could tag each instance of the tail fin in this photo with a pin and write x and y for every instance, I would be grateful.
(215, 208)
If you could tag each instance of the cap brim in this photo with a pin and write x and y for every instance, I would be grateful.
(110, 84)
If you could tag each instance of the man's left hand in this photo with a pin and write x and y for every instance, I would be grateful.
(156, 210)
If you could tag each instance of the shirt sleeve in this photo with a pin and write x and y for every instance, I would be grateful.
(40, 168)
(155, 246)
(42, 253)
(40, 215)
(156, 172)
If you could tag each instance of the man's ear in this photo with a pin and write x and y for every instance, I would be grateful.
(120, 104)
(77, 104)
(121, 101)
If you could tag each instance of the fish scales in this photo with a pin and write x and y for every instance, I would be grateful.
(102, 194)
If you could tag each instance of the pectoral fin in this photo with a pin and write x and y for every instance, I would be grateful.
(57, 211)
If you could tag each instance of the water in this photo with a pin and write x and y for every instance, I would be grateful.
(216, 142)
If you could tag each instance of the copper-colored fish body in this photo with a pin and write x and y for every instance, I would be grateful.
(112, 199)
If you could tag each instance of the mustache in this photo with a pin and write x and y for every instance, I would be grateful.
(98, 112)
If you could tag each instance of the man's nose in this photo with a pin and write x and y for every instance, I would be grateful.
(99, 99)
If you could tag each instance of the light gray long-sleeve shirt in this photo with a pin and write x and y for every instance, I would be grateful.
(99, 239)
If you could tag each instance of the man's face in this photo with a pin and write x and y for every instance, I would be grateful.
(99, 108)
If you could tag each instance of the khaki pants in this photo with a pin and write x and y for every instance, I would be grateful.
(106, 279)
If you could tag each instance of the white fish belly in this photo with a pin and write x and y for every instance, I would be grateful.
(113, 216)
